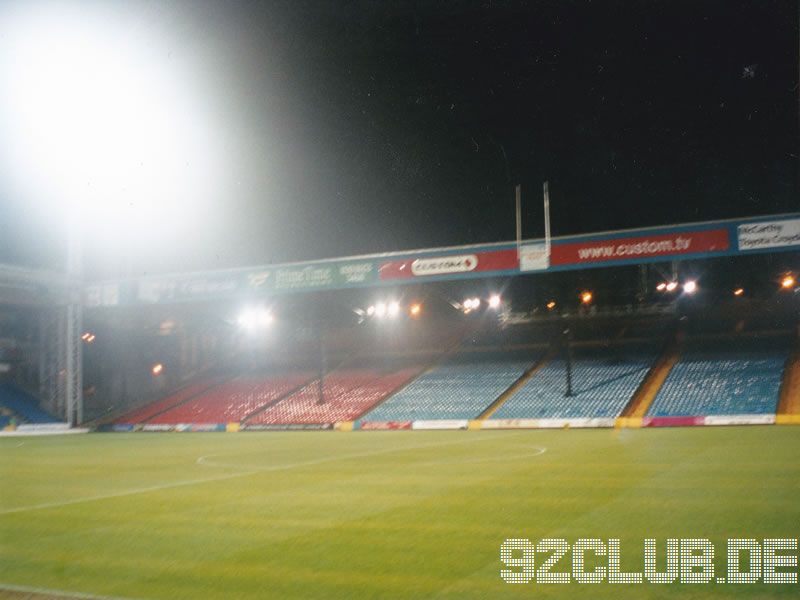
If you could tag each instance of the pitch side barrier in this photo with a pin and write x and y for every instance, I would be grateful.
(471, 424)
(735, 237)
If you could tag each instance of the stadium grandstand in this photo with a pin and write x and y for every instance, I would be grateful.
(417, 340)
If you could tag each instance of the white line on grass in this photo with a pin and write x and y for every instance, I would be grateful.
(251, 470)
(24, 589)
(143, 490)
(202, 459)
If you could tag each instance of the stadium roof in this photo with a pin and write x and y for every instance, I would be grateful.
(734, 237)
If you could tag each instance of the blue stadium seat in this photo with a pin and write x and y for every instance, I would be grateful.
(723, 379)
(460, 388)
(604, 380)
(23, 404)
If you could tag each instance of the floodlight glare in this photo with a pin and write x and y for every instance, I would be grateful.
(586, 297)
(787, 282)
(551, 305)
(394, 309)
(672, 286)
(690, 287)
(380, 310)
(662, 286)
(738, 292)
(370, 311)
(415, 309)
(494, 301)
(254, 318)
(104, 127)
(157, 369)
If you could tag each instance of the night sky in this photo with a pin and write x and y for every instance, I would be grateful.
(357, 127)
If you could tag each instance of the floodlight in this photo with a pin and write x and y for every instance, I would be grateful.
(690, 287)
(551, 305)
(157, 369)
(662, 286)
(370, 311)
(494, 301)
(394, 309)
(788, 282)
(738, 292)
(105, 129)
(415, 309)
(586, 297)
(254, 318)
(380, 310)
(672, 286)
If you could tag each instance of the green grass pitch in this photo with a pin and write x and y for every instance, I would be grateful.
(378, 514)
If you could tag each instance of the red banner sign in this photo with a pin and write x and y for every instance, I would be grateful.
(632, 248)
(451, 264)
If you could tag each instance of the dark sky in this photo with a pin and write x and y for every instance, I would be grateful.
(356, 127)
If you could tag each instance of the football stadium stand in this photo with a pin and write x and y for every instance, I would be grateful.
(604, 379)
(148, 411)
(459, 388)
(232, 400)
(724, 377)
(22, 404)
(348, 393)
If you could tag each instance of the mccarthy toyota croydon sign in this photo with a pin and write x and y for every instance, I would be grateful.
(692, 241)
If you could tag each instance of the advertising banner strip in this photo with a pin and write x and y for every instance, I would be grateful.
(384, 425)
(651, 246)
(768, 234)
(740, 420)
(773, 233)
(449, 264)
(288, 427)
(672, 421)
(441, 424)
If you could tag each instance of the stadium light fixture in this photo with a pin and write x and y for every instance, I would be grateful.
(415, 309)
(738, 292)
(788, 281)
(672, 286)
(393, 309)
(88, 337)
(495, 301)
(255, 318)
(690, 287)
(551, 305)
(380, 310)
(586, 297)
(662, 287)
(157, 369)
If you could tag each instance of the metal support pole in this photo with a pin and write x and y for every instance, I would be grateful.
(519, 217)
(546, 195)
(322, 362)
(568, 348)
(74, 325)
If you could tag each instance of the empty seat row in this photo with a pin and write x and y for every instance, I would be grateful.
(233, 400)
(23, 404)
(461, 387)
(346, 394)
(603, 381)
(724, 378)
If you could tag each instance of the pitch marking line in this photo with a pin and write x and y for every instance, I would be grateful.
(24, 589)
(249, 471)
(143, 490)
